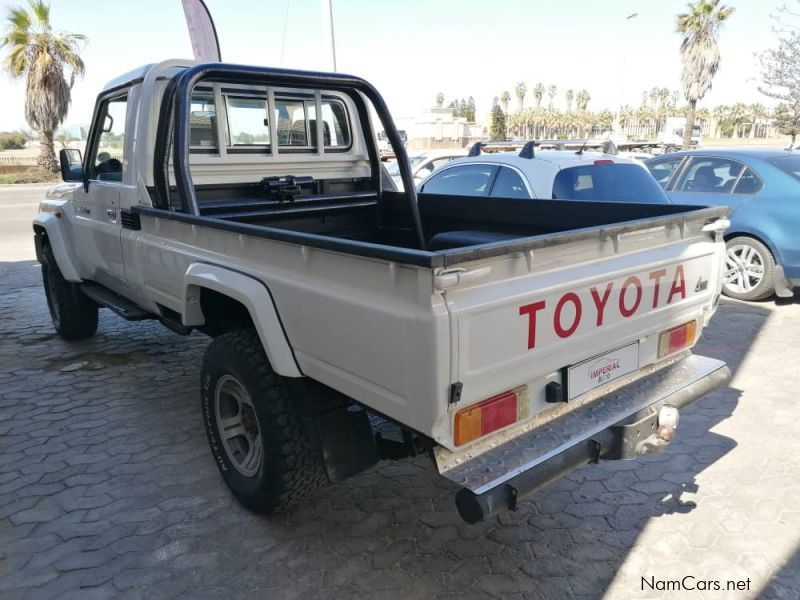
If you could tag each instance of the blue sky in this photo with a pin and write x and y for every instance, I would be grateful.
(412, 50)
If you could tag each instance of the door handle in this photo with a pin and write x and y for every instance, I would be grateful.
(111, 213)
(83, 210)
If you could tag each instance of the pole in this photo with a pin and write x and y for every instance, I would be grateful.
(622, 75)
(327, 29)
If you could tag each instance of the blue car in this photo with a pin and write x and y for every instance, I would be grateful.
(762, 188)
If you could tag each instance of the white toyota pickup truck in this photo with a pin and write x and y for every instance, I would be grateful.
(509, 339)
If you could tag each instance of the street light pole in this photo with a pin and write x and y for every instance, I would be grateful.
(622, 74)
(327, 29)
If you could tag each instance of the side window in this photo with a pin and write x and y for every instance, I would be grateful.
(247, 121)
(749, 183)
(290, 116)
(108, 155)
(710, 175)
(335, 128)
(509, 185)
(203, 121)
(466, 180)
(663, 170)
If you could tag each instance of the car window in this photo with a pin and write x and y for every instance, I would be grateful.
(788, 164)
(109, 152)
(438, 162)
(247, 121)
(203, 122)
(710, 175)
(509, 185)
(663, 170)
(465, 180)
(611, 182)
(749, 183)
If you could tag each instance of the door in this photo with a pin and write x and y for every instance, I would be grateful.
(708, 181)
(97, 204)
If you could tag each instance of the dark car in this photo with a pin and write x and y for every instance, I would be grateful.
(762, 188)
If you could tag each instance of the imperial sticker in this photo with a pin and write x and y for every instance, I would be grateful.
(602, 369)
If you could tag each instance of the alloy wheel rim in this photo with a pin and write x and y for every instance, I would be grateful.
(744, 268)
(237, 426)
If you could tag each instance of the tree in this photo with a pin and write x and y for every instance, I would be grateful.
(43, 57)
(780, 75)
(469, 113)
(569, 95)
(538, 94)
(521, 90)
(551, 93)
(497, 130)
(699, 53)
(439, 100)
(582, 99)
(12, 140)
(505, 98)
(787, 121)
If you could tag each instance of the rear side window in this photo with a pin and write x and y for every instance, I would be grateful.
(466, 180)
(748, 183)
(509, 185)
(663, 170)
(613, 182)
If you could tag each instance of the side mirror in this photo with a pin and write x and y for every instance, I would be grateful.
(71, 164)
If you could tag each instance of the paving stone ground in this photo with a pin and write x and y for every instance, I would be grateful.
(107, 487)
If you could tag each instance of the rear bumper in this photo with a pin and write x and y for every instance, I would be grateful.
(619, 425)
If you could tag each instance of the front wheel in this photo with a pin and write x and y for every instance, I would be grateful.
(749, 270)
(252, 418)
(74, 315)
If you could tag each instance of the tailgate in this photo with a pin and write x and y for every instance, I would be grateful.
(580, 314)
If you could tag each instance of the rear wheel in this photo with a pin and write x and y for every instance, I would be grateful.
(749, 270)
(74, 315)
(252, 417)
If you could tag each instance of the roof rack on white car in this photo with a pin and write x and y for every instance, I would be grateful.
(527, 147)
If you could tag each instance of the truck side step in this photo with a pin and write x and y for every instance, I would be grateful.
(111, 300)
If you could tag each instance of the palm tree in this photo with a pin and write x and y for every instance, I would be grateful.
(538, 94)
(758, 112)
(551, 93)
(505, 98)
(42, 55)
(699, 53)
(569, 96)
(521, 90)
(738, 115)
(582, 99)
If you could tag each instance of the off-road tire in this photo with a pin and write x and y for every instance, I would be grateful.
(765, 287)
(291, 465)
(74, 315)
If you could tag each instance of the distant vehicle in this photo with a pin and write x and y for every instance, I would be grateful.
(384, 147)
(762, 187)
(547, 174)
(423, 164)
(672, 136)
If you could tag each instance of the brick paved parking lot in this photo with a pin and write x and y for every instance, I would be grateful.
(107, 487)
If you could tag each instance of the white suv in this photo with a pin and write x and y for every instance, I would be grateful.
(548, 174)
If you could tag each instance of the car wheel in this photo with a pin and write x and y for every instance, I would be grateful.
(74, 315)
(257, 435)
(749, 270)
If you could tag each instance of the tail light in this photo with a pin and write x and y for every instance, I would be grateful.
(677, 338)
(490, 415)
(604, 161)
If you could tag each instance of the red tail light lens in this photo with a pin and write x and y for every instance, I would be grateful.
(604, 161)
(677, 338)
(490, 415)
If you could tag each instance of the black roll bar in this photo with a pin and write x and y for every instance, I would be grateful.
(176, 111)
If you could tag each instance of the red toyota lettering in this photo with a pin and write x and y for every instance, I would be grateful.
(530, 310)
(678, 285)
(564, 332)
(600, 303)
(630, 281)
(656, 276)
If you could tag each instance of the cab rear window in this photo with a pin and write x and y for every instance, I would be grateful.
(609, 182)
